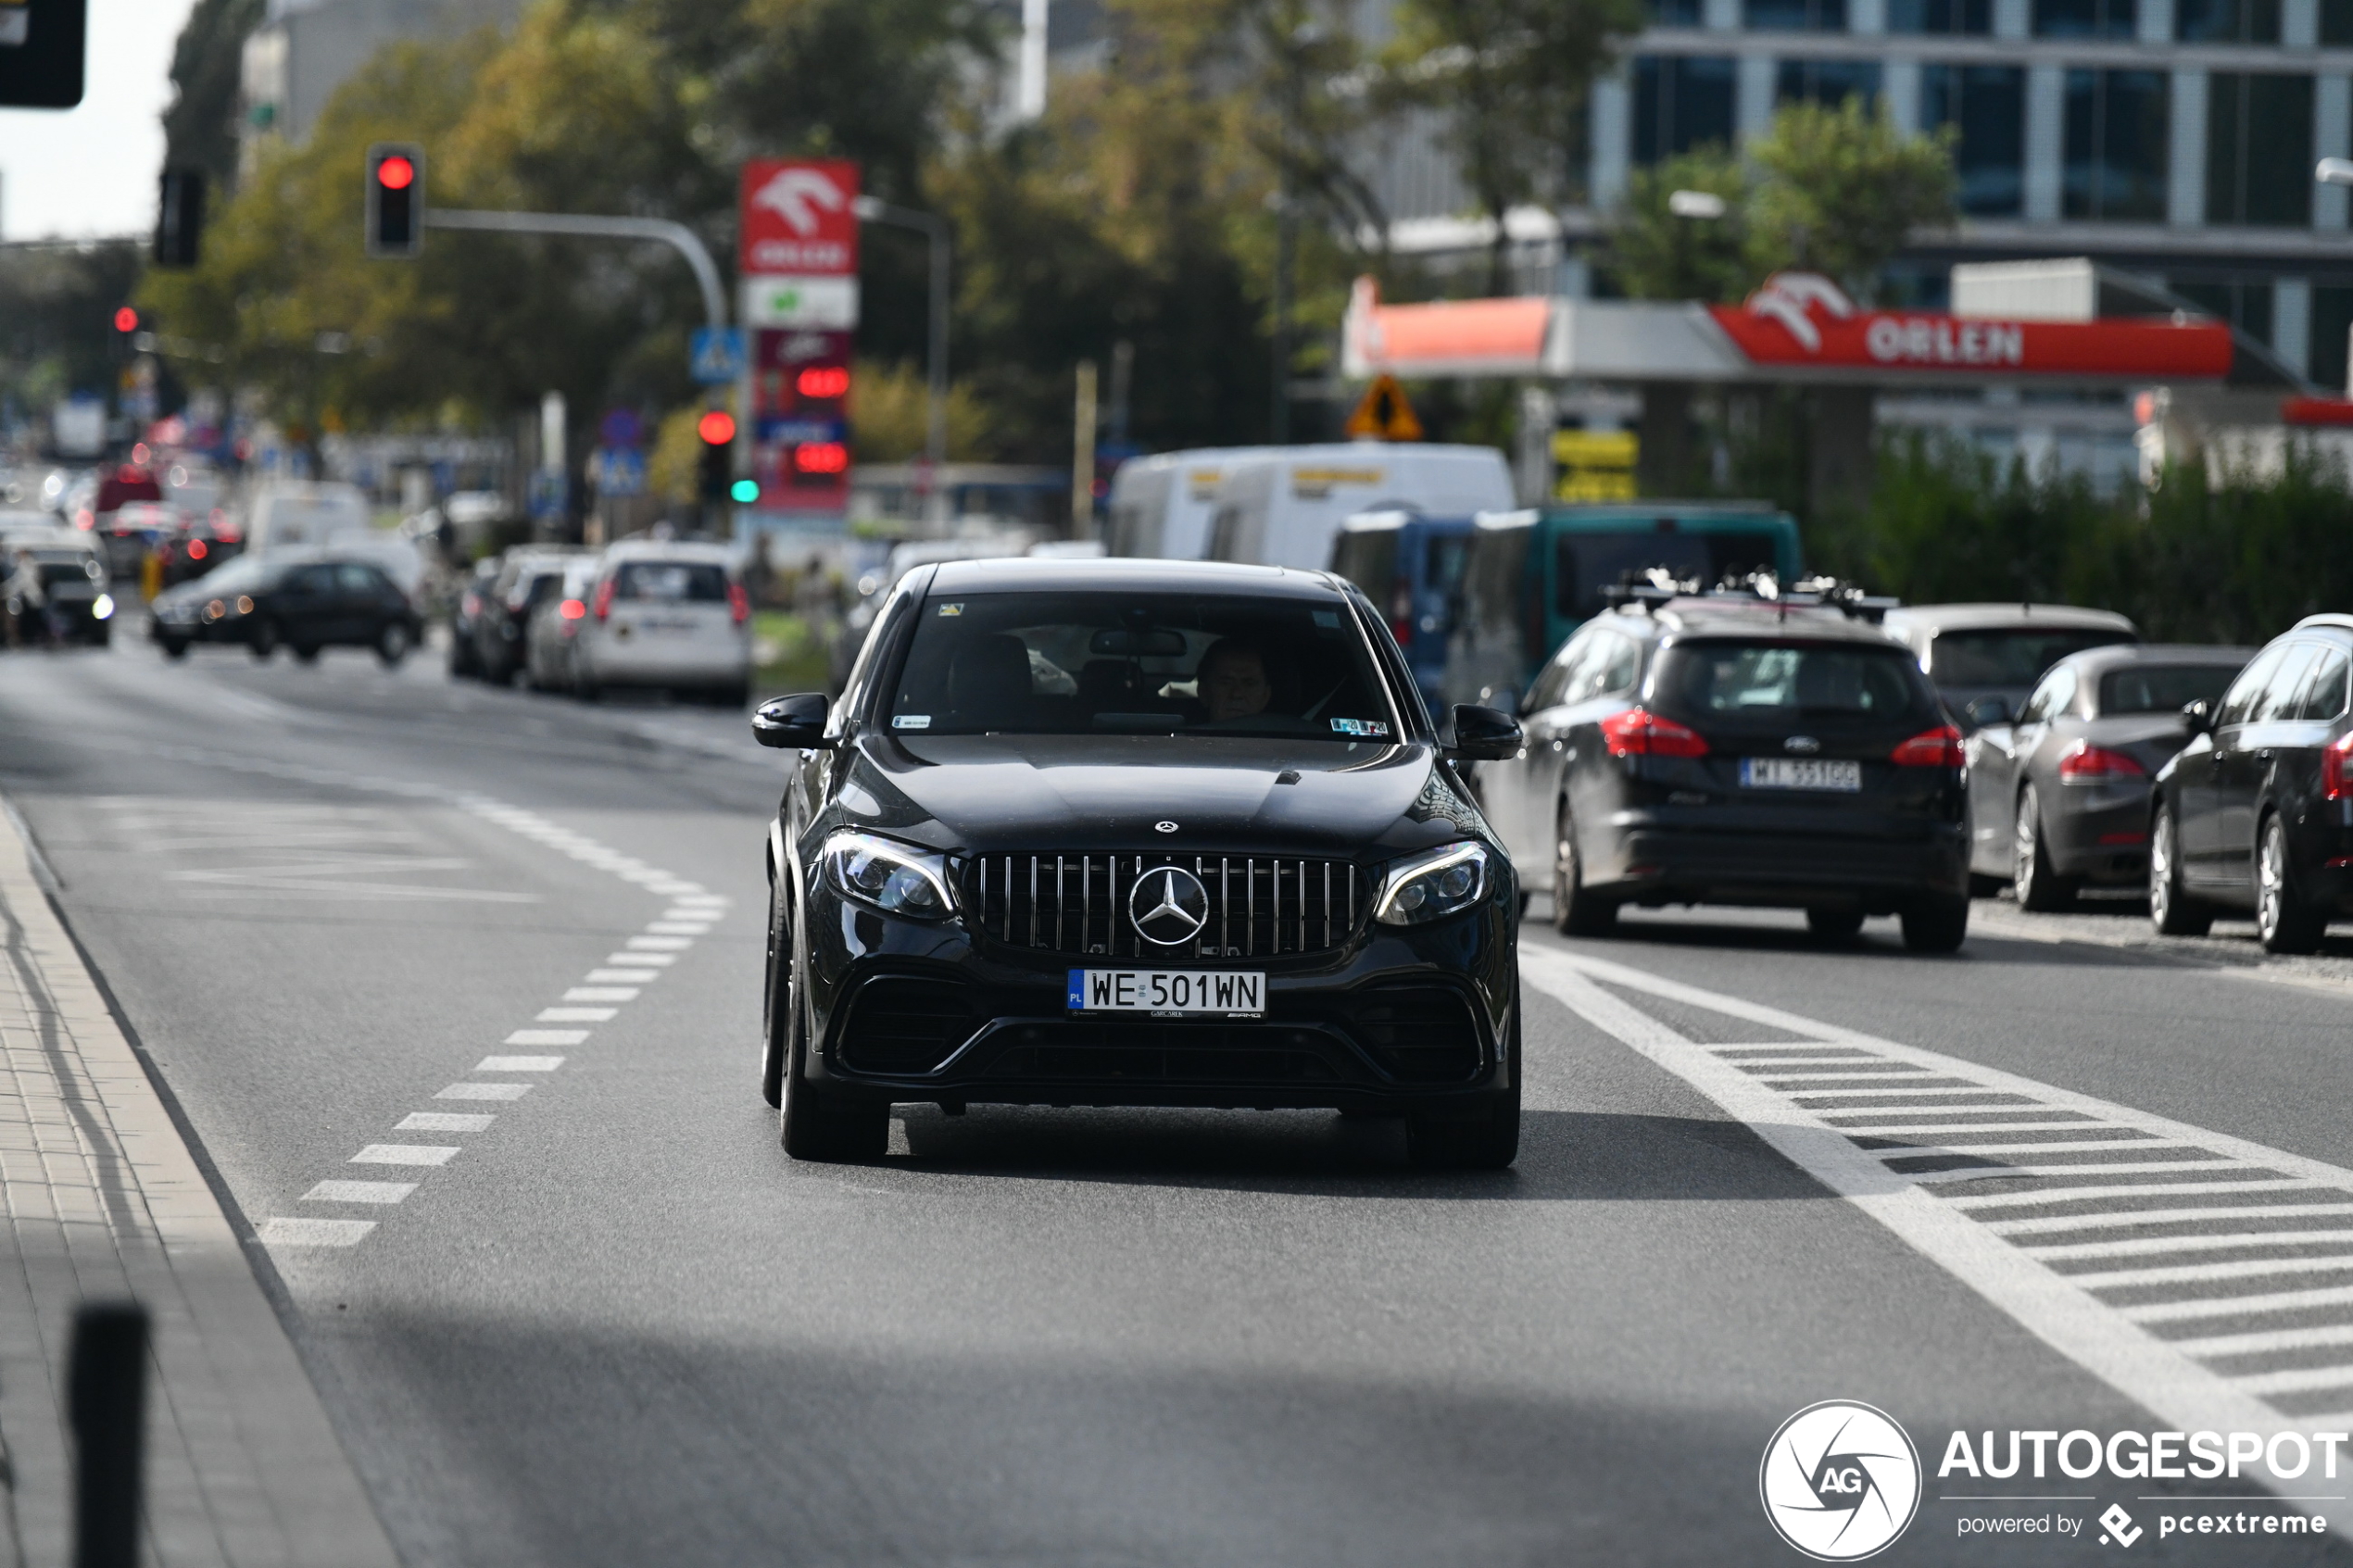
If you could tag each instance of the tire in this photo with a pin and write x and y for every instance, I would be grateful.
(2040, 887)
(175, 647)
(2172, 911)
(825, 1125)
(1983, 886)
(1834, 926)
(2283, 921)
(305, 653)
(1483, 1136)
(265, 640)
(393, 643)
(776, 1003)
(1575, 911)
(1936, 924)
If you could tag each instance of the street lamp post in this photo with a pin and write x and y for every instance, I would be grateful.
(873, 209)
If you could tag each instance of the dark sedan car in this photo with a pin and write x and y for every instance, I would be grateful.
(1726, 750)
(528, 579)
(466, 618)
(2257, 811)
(2060, 799)
(301, 601)
(1137, 833)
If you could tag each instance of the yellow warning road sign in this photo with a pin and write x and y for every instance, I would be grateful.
(1384, 414)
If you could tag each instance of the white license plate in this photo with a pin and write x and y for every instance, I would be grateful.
(1225, 992)
(1800, 773)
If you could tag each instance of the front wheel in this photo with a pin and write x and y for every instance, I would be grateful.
(175, 647)
(1576, 912)
(1834, 925)
(2172, 912)
(1936, 924)
(776, 1009)
(1483, 1136)
(2040, 888)
(265, 640)
(392, 643)
(2283, 920)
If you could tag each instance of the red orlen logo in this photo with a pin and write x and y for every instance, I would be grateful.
(799, 218)
(1803, 319)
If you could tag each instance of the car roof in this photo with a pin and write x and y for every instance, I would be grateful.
(671, 549)
(2114, 654)
(1122, 574)
(2020, 616)
(2330, 622)
(1731, 617)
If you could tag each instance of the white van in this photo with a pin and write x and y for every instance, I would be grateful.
(1283, 506)
(290, 512)
(1161, 505)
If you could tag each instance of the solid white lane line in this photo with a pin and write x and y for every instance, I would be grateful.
(358, 1191)
(622, 976)
(659, 944)
(485, 1091)
(577, 1015)
(519, 1064)
(405, 1154)
(546, 1037)
(444, 1122)
(601, 994)
(677, 928)
(279, 1232)
(636, 959)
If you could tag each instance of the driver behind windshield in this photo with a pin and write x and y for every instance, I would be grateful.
(1232, 682)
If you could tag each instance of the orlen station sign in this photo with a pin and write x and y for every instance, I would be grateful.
(798, 256)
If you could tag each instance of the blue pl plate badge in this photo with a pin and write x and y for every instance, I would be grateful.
(1077, 987)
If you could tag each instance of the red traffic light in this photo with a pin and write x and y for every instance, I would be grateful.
(395, 173)
(716, 428)
(824, 381)
(126, 319)
(820, 456)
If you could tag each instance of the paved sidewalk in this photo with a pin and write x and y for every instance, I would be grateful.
(102, 1199)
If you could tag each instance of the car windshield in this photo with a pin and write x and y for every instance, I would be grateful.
(2010, 656)
(2162, 688)
(1094, 663)
(241, 576)
(671, 582)
(1779, 681)
(69, 571)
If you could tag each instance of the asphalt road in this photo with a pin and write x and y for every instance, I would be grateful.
(613, 1324)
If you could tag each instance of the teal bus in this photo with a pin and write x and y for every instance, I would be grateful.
(1531, 578)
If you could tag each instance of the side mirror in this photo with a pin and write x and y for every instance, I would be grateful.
(2200, 716)
(796, 722)
(1995, 710)
(1482, 735)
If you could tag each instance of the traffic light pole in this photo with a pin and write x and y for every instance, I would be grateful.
(676, 235)
(936, 228)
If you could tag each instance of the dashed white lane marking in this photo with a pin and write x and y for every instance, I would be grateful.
(578, 1015)
(659, 944)
(444, 1122)
(546, 1037)
(620, 977)
(519, 1064)
(358, 1191)
(2206, 1348)
(678, 928)
(405, 1154)
(601, 994)
(279, 1231)
(485, 1091)
(636, 960)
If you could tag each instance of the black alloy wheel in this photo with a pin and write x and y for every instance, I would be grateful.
(1482, 1136)
(2172, 911)
(822, 1122)
(2038, 886)
(2284, 920)
(1938, 923)
(1834, 925)
(1575, 911)
(776, 1000)
(265, 638)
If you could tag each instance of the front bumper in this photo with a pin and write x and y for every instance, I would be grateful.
(1395, 1018)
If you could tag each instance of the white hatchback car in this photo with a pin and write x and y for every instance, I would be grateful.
(669, 615)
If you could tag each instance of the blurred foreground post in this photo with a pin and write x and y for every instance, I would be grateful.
(1082, 466)
(107, 1401)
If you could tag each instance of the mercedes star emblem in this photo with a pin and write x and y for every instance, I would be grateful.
(1168, 906)
(1164, 827)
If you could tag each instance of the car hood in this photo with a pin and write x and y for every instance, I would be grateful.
(986, 794)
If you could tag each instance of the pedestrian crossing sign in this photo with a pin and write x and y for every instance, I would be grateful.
(1384, 415)
(717, 356)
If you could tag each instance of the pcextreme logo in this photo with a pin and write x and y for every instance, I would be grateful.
(1840, 1481)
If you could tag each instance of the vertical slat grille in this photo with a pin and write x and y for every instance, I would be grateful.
(1259, 906)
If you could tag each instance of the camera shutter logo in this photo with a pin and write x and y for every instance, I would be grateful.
(1841, 1481)
(1168, 906)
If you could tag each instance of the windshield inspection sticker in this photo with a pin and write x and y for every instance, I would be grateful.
(1372, 727)
(951, 610)
(910, 721)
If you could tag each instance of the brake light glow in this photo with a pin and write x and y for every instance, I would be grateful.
(572, 609)
(2084, 763)
(1639, 733)
(604, 599)
(1939, 747)
(738, 603)
(2333, 758)
(196, 550)
(1403, 629)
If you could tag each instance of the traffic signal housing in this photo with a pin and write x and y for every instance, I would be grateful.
(717, 432)
(396, 218)
(180, 218)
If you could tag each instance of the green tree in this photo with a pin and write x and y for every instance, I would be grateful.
(1841, 191)
(200, 125)
(1659, 253)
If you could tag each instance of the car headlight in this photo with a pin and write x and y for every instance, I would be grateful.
(102, 607)
(1430, 887)
(896, 878)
